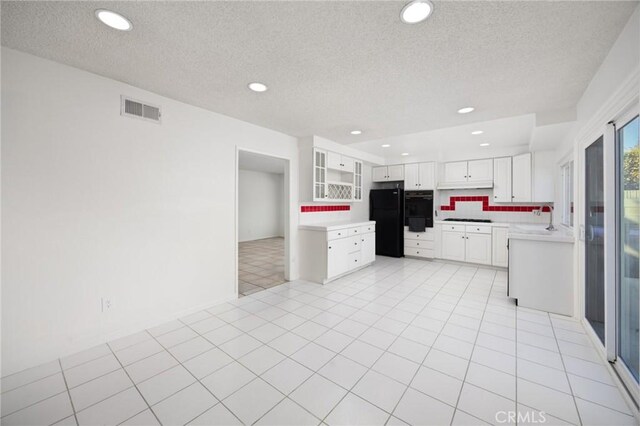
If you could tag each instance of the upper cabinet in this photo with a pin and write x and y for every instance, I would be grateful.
(336, 177)
(340, 162)
(524, 178)
(388, 173)
(502, 180)
(467, 174)
(419, 176)
(521, 181)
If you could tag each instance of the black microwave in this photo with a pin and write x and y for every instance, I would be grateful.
(418, 204)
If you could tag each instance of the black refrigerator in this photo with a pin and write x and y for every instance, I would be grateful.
(386, 207)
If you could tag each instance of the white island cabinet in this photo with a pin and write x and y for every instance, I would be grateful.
(329, 251)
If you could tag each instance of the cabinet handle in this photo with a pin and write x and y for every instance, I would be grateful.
(329, 247)
(495, 196)
(356, 260)
(417, 244)
(355, 244)
(363, 240)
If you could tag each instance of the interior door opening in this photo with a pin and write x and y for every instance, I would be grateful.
(262, 202)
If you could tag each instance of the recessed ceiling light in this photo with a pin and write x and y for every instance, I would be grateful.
(416, 11)
(485, 144)
(386, 145)
(114, 20)
(356, 132)
(404, 154)
(477, 132)
(465, 110)
(258, 87)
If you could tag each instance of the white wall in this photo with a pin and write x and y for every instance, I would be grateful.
(260, 205)
(98, 205)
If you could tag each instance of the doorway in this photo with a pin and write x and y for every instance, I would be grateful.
(262, 203)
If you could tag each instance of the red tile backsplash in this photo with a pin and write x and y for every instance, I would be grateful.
(316, 209)
(488, 208)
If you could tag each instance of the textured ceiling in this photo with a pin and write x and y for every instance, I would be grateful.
(335, 66)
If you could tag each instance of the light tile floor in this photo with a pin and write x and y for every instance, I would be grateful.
(260, 265)
(401, 342)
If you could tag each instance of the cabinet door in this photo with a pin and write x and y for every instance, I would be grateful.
(334, 161)
(453, 245)
(379, 174)
(411, 177)
(368, 248)
(455, 172)
(338, 257)
(521, 184)
(319, 175)
(480, 170)
(396, 172)
(502, 180)
(427, 173)
(357, 180)
(500, 254)
(347, 164)
(478, 248)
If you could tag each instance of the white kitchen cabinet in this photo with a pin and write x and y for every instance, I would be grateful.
(419, 244)
(419, 176)
(466, 243)
(455, 172)
(319, 175)
(340, 162)
(502, 180)
(467, 174)
(480, 170)
(453, 245)
(329, 252)
(357, 180)
(388, 173)
(500, 252)
(521, 178)
(368, 247)
(478, 248)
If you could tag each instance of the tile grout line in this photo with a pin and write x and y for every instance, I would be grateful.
(73, 408)
(466, 372)
(381, 355)
(134, 385)
(566, 374)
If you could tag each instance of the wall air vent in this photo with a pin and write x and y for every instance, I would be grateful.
(133, 108)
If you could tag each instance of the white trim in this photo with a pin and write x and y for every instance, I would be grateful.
(609, 191)
(286, 210)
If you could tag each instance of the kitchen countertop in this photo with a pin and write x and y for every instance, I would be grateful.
(537, 232)
(451, 222)
(333, 226)
(525, 231)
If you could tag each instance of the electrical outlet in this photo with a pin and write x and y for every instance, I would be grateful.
(105, 304)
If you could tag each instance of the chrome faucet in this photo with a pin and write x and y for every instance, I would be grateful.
(550, 227)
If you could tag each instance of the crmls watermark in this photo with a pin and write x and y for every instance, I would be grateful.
(529, 417)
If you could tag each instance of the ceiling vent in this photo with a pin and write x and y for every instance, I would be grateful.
(133, 108)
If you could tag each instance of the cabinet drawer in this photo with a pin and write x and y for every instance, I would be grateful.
(367, 229)
(424, 244)
(456, 228)
(478, 229)
(353, 231)
(340, 233)
(419, 252)
(428, 235)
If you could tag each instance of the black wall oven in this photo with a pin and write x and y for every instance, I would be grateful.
(418, 204)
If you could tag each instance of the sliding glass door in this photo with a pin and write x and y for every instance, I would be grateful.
(627, 242)
(594, 237)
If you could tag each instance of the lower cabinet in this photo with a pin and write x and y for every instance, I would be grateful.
(466, 243)
(453, 245)
(327, 253)
(419, 244)
(500, 251)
